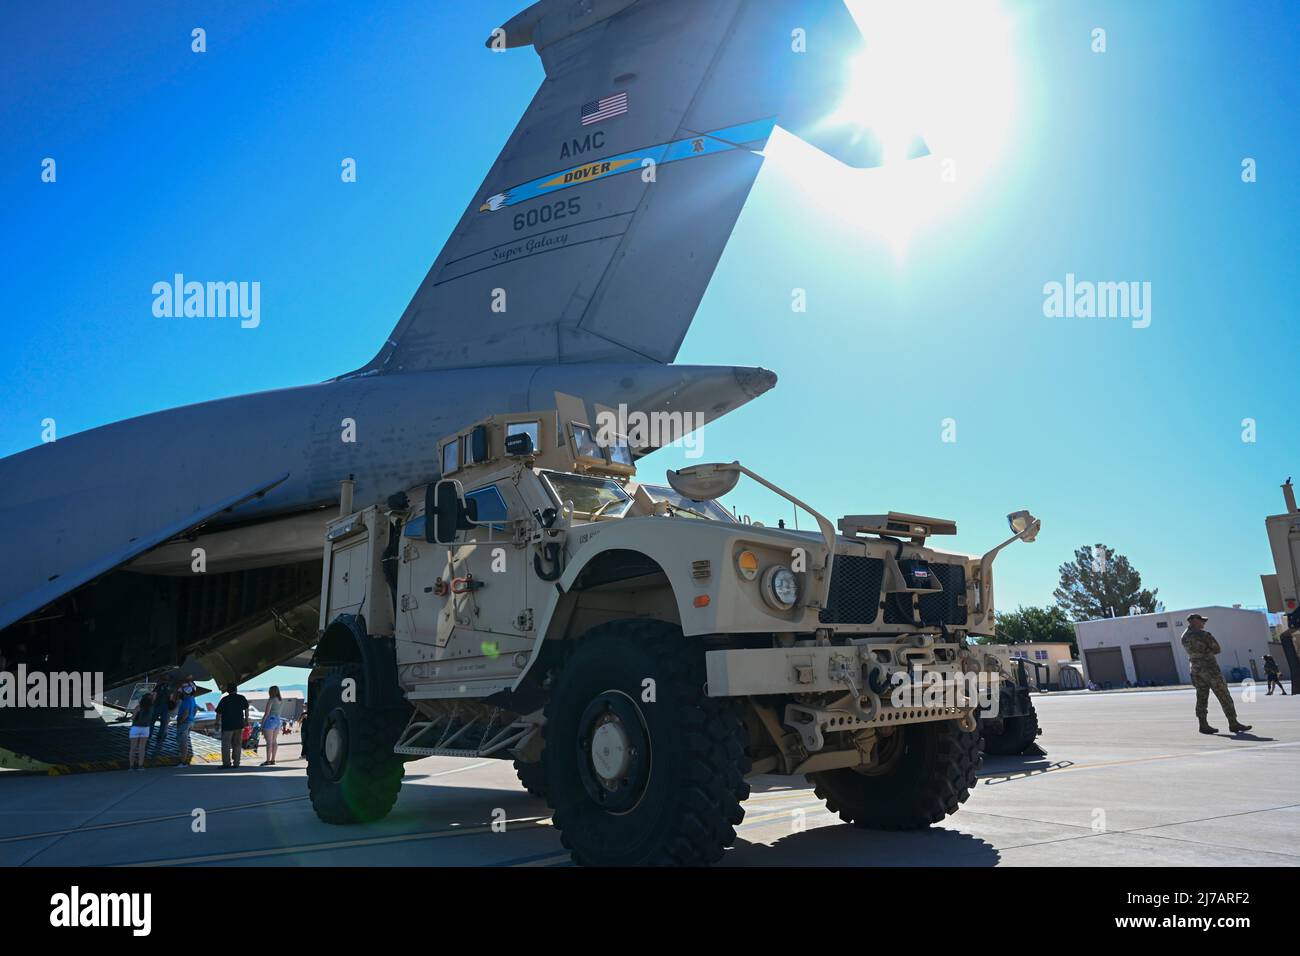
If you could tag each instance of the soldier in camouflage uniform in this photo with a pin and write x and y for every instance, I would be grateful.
(1201, 649)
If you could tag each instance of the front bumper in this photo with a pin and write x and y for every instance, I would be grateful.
(852, 687)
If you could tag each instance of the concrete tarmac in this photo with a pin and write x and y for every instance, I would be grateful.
(1128, 781)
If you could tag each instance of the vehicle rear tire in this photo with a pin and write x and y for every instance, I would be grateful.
(533, 778)
(931, 777)
(353, 776)
(637, 782)
(1016, 734)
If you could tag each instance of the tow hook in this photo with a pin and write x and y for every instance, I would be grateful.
(465, 584)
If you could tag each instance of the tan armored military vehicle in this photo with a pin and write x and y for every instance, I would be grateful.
(637, 651)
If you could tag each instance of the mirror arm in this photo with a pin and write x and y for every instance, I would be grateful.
(823, 523)
(986, 562)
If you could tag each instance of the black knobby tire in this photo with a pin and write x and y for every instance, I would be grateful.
(687, 776)
(361, 784)
(1017, 734)
(931, 777)
(533, 777)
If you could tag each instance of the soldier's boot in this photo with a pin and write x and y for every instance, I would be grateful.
(1206, 728)
(1235, 726)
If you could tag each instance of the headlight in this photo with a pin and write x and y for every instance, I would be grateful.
(780, 587)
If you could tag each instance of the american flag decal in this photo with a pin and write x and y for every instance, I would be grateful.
(602, 109)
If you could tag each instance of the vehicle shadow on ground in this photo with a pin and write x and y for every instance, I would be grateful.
(846, 845)
(1005, 768)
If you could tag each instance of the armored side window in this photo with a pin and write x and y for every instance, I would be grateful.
(620, 453)
(451, 456)
(491, 506)
(584, 444)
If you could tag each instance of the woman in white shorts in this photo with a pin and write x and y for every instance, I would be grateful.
(141, 722)
(272, 723)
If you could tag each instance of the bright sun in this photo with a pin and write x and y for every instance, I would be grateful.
(940, 69)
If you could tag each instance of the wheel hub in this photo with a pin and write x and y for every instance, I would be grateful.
(614, 752)
(610, 754)
(334, 746)
(889, 751)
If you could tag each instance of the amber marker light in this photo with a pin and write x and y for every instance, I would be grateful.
(747, 565)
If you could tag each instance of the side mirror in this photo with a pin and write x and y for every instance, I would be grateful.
(445, 511)
(1020, 521)
(704, 482)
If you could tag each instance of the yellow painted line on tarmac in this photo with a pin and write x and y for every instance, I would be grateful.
(452, 831)
(784, 795)
(780, 814)
(1102, 764)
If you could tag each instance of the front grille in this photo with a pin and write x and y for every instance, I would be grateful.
(946, 607)
(855, 590)
(855, 595)
(949, 605)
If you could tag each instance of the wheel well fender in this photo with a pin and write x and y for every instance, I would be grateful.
(344, 642)
(604, 567)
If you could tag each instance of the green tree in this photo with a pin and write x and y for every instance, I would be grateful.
(1026, 625)
(1101, 583)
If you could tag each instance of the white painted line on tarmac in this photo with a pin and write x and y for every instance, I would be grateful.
(186, 815)
(473, 766)
(453, 831)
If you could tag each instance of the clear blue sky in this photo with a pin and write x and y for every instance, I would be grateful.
(1116, 166)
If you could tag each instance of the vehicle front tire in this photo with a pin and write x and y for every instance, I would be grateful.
(353, 776)
(927, 778)
(642, 769)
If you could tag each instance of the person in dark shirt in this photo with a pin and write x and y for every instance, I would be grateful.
(141, 721)
(232, 712)
(162, 705)
(1274, 675)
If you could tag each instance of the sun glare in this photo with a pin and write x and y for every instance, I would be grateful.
(943, 70)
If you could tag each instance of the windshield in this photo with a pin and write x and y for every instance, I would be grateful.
(588, 493)
(710, 510)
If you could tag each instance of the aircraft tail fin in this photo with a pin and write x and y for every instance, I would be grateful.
(597, 229)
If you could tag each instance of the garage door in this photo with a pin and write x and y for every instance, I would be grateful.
(1154, 663)
(1106, 666)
